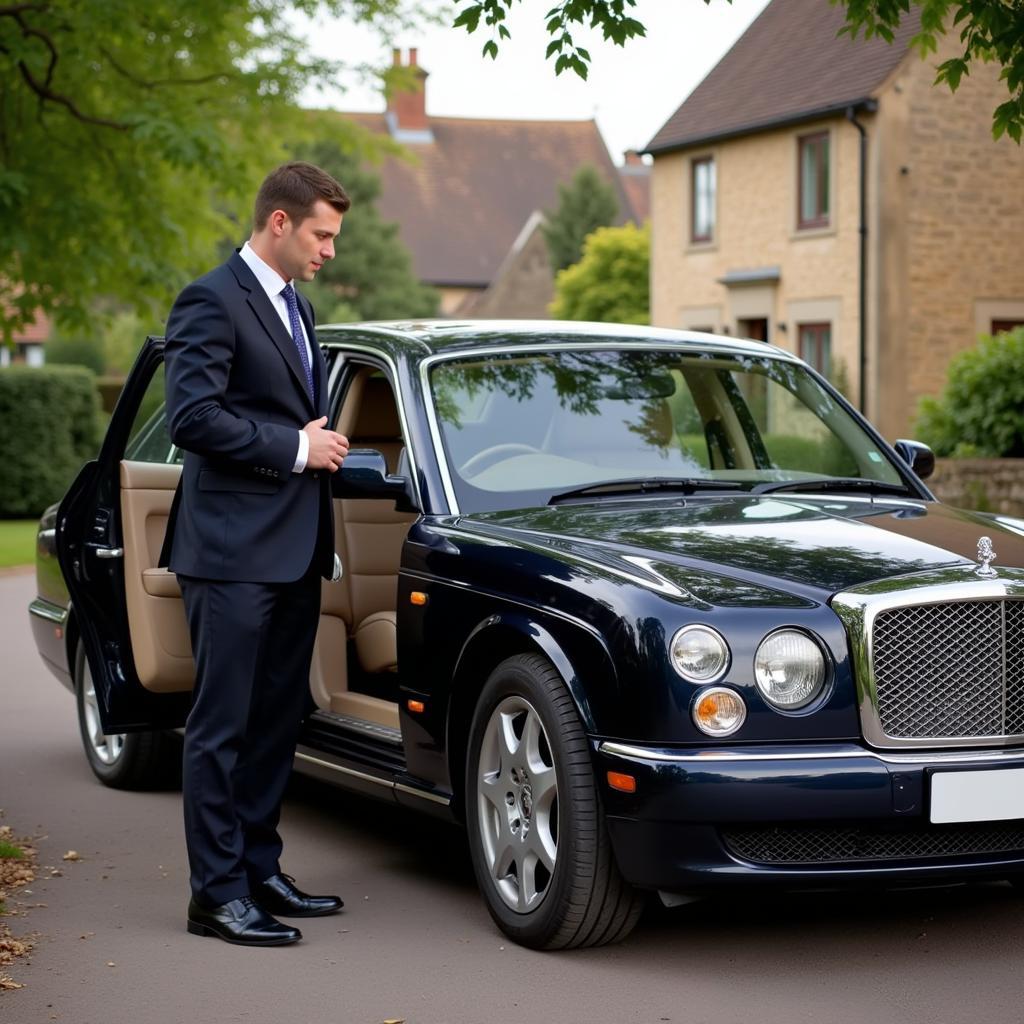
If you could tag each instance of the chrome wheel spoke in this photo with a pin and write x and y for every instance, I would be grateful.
(508, 742)
(541, 843)
(517, 801)
(492, 788)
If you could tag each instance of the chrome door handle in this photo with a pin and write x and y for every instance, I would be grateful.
(110, 552)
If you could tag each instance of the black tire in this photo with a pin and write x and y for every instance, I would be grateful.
(134, 760)
(582, 900)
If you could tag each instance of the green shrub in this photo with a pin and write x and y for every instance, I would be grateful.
(49, 426)
(981, 409)
(86, 352)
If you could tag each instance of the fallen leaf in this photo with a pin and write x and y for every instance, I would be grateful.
(56, 873)
(72, 855)
(110, 963)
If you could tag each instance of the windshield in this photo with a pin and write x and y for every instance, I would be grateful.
(520, 428)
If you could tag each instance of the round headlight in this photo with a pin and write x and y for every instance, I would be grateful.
(699, 654)
(789, 669)
(718, 711)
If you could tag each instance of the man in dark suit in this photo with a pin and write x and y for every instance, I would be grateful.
(250, 536)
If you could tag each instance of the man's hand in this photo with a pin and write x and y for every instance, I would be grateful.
(327, 449)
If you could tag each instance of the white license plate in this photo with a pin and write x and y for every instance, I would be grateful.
(994, 795)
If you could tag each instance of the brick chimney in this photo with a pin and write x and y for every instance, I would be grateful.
(631, 158)
(407, 110)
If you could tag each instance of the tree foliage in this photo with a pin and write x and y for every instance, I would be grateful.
(611, 283)
(981, 409)
(586, 203)
(371, 276)
(989, 30)
(133, 136)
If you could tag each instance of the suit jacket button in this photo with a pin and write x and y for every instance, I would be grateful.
(316, 474)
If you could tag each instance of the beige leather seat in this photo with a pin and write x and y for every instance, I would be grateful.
(369, 535)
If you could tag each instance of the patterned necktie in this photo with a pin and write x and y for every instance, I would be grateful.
(297, 336)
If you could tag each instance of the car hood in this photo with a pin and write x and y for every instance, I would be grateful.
(819, 545)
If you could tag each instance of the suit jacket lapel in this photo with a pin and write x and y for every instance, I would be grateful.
(261, 305)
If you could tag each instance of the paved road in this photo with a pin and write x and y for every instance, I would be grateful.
(415, 941)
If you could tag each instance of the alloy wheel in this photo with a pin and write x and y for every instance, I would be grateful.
(517, 797)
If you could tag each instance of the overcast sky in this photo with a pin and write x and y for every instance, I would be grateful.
(631, 91)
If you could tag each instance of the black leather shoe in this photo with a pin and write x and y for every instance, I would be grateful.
(243, 922)
(279, 895)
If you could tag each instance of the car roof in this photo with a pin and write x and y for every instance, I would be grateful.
(419, 339)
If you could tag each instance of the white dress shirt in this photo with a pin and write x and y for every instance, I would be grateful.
(274, 285)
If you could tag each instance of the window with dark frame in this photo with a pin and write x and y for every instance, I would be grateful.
(813, 180)
(815, 342)
(999, 326)
(702, 199)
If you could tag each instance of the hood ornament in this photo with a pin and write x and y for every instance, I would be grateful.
(985, 556)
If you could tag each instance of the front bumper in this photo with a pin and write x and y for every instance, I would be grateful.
(818, 816)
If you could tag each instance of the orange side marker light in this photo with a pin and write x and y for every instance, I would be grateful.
(622, 782)
(418, 597)
(417, 707)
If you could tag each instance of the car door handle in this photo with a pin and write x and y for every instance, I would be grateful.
(110, 552)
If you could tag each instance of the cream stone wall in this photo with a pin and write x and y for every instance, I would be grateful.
(945, 216)
(756, 229)
(957, 196)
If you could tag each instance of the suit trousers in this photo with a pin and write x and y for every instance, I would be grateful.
(253, 645)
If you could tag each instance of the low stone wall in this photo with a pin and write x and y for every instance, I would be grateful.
(988, 485)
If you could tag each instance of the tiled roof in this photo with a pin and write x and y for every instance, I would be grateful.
(790, 64)
(462, 201)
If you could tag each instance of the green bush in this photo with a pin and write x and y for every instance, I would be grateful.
(86, 352)
(981, 409)
(49, 426)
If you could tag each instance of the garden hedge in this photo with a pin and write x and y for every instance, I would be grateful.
(49, 426)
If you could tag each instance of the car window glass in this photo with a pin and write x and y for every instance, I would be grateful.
(149, 440)
(518, 428)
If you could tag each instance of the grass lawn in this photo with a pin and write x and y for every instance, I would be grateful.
(17, 542)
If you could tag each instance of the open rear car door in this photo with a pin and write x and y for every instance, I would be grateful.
(110, 528)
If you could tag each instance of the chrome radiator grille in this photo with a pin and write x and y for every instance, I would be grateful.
(950, 670)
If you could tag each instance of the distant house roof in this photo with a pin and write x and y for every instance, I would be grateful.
(790, 65)
(473, 183)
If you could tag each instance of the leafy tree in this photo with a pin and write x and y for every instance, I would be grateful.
(612, 281)
(584, 204)
(990, 30)
(147, 127)
(371, 276)
(981, 408)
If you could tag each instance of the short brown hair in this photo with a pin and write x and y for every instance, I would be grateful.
(295, 188)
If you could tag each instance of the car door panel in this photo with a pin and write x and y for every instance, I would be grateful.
(156, 613)
(105, 545)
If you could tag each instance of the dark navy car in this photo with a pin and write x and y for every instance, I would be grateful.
(649, 611)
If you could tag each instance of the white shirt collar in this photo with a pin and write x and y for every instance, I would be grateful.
(272, 282)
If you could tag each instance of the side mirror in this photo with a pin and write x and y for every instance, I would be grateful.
(364, 474)
(919, 457)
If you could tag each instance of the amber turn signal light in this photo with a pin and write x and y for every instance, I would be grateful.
(622, 782)
(417, 597)
(417, 707)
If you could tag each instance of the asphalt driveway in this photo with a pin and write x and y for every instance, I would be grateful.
(415, 942)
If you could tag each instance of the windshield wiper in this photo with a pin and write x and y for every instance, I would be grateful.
(834, 483)
(647, 485)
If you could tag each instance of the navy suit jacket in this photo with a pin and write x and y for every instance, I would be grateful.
(236, 398)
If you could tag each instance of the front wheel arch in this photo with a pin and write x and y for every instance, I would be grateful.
(490, 643)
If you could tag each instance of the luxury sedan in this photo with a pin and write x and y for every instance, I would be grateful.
(648, 611)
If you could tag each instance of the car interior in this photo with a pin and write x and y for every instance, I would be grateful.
(355, 658)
